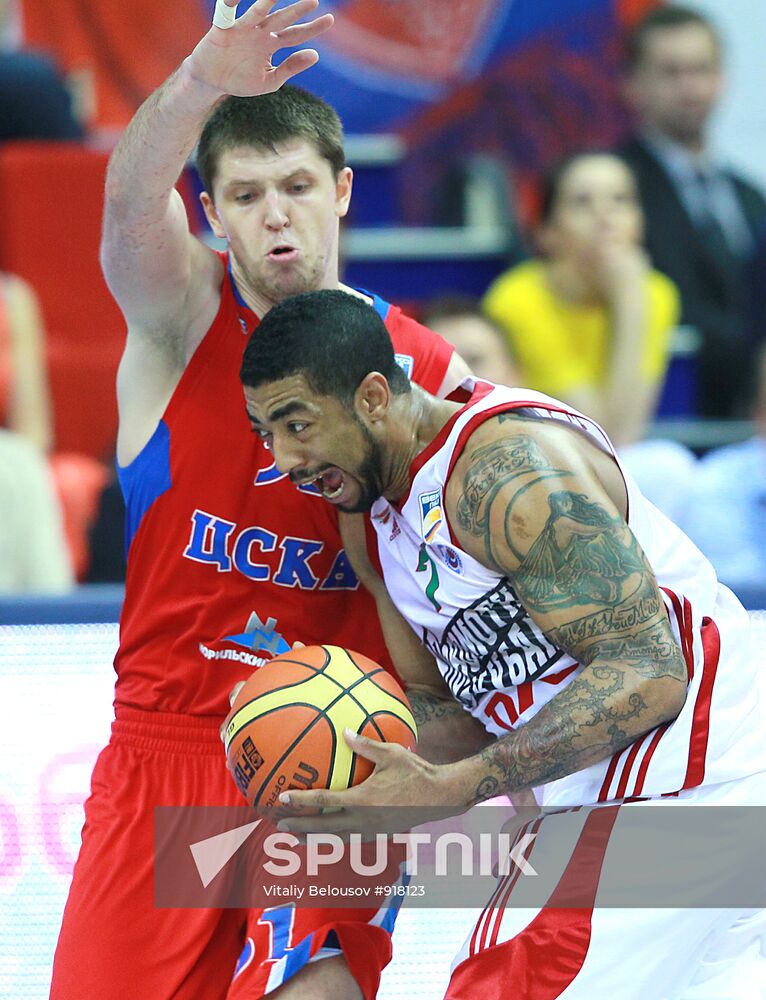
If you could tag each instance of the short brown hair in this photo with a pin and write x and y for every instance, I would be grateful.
(264, 121)
(659, 19)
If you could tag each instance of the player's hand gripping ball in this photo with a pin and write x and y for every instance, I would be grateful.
(285, 727)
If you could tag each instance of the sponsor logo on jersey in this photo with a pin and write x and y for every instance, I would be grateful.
(243, 324)
(258, 636)
(406, 362)
(451, 558)
(431, 515)
(395, 531)
(491, 645)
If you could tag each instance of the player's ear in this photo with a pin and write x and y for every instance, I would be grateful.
(343, 184)
(212, 215)
(373, 396)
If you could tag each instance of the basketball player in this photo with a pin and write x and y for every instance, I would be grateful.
(563, 611)
(227, 563)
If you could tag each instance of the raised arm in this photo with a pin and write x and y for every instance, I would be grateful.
(165, 281)
(542, 505)
(149, 259)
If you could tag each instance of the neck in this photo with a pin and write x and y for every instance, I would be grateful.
(568, 281)
(695, 144)
(417, 419)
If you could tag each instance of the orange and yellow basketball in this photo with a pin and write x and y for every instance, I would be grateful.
(285, 727)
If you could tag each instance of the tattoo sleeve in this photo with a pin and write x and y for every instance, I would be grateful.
(581, 575)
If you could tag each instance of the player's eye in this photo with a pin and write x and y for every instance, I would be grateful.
(244, 197)
(297, 426)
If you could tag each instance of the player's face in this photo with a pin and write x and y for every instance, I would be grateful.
(678, 81)
(596, 204)
(317, 440)
(279, 212)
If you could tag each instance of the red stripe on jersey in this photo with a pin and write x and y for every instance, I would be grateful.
(603, 795)
(513, 878)
(479, 940)
(545, 958)
(684, 619)
(711, 646)
(627, 767)
(641, 777)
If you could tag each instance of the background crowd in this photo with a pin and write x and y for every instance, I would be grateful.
(630, 285)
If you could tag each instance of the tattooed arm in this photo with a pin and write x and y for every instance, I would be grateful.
(542, 505)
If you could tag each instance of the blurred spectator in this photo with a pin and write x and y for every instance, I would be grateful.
(701, 218)
(34, 101)
(726, 513)
(590, 322)
(24, 397)
(476, 338)
(33, 551)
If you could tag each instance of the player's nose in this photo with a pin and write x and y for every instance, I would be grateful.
(275, 214)
(287, 453)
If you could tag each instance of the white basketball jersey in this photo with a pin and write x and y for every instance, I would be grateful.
(502, 668)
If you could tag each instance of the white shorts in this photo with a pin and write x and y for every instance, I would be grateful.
(608, 953)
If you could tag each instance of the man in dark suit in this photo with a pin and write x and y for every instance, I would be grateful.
(701, 219)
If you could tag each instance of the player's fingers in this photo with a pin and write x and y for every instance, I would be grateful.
(286, 16)
(298, 34)
(261, 8)
(295, 63)
(235, 691)
(298, 644)
(225, 13)
(372, 750)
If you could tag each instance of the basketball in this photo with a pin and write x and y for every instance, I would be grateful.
(285, 727)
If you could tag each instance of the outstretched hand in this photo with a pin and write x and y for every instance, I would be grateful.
(237, 60)
(402, 791)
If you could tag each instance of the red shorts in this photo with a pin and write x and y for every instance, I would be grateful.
(114, 940)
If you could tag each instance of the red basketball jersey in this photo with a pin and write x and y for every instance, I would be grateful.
(227, 560)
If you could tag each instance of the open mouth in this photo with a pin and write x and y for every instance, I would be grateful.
(330, 483)
(282, 251)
